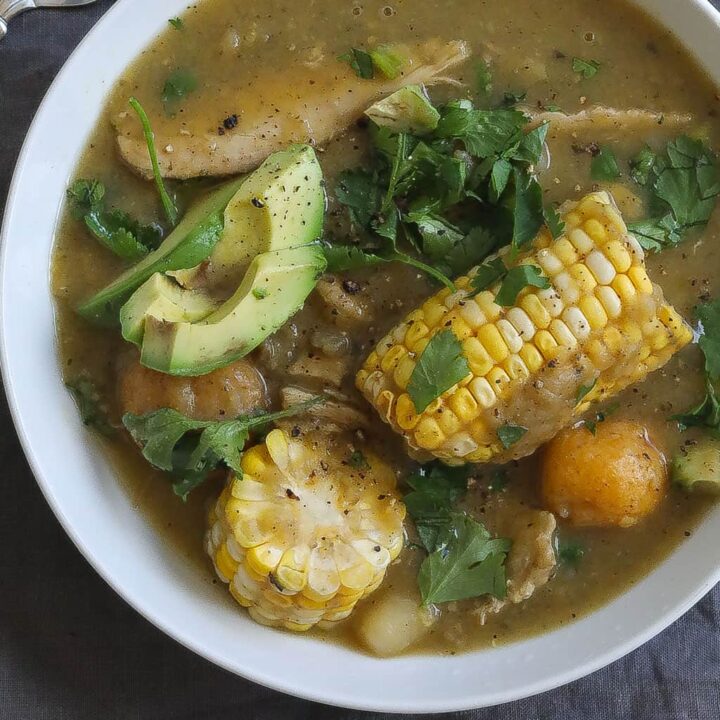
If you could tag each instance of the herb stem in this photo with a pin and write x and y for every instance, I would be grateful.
(413, 262)
(168, 205)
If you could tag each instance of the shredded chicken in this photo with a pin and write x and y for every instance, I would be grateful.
(314, 367)
(348, 304)
(339, 412)
(601, 118)
(303, 104)
(531, 560)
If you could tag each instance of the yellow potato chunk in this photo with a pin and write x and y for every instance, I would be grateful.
(612, 478)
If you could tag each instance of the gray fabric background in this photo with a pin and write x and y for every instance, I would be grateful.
(70, 648)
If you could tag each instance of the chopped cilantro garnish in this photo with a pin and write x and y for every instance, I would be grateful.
(528, 211)
(518, 278)
(510, 434)
(93, 410)
(387, 61)
(467, 564)
(604, 165)
(570, 552)
(684, 182)
(483, 80)
(260, 293)
(189, 449)
(114, 229)
(177, 23)
(601, 416)
(641, 166)
(487, 274)
(707, 413)
(180, 83)
(361, 62)
(553, 221)
(440, 366)
(358, 461)
(585, 68)
(583, 390)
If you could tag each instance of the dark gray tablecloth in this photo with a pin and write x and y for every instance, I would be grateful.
(70, 648)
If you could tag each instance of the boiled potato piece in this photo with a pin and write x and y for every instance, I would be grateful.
(393, 623)
(616, 476)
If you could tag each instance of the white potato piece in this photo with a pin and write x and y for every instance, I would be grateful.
(392, 624)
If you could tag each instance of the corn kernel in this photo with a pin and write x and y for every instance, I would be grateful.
(551, 302)
(546, 344)
(614, 340)
(640, 279)
(593, 310)
(482, 454)
(477, 356)
(618, 255)
(599, 354)
(509, 335)
(549, 262)
(631, 332)
(561, 332)
(516, 368)
(448, 421)
(420, 345)
(405, 414)
(434, 312)
(428, 434)
(583, 277)
(579, 238)
(486, 302)
(600, 267)
(392, 358)
(459, 327)
(624, 287)
(403, 371)
(577, 323)
(498, 380)
(264, 558)
(226, 566)
(492, 341)
(482, 391)
(595, 230)
(472, 314)
(416, 331)
(565, 252)
(254, 461)
(537, 313)
(464, 405)
(531, 357)
(609, 300)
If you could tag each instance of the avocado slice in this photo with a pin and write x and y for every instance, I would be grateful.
(274, 288)
(188, 244)
(280, 205)
(162, 298)
(699, 469)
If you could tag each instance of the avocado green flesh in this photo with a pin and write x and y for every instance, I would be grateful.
(162, 298)
(274, 288)
(280, 205)
(699, 470)
(187, 245)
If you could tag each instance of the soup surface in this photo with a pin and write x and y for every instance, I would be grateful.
(243, 57)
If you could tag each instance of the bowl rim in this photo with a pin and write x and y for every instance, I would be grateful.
(178, 630)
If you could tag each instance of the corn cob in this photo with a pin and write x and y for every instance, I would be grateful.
(601, 321)
(304, 535)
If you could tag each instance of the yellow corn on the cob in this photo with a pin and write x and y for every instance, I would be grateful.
(602, 320)
(303, 535)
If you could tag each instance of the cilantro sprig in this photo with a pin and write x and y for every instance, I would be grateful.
(706, 414)
(190, 449)
(463, 560)
(443, 200)
(115, 229)
(93, 409)
(440, 366)
(684, 183)
(514, 280)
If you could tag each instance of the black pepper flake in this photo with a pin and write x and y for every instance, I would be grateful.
(230, 122)
(295, 432)
(351, 287)
(291, 494)
(257, 203)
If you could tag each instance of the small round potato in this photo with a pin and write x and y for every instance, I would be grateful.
(615, 477)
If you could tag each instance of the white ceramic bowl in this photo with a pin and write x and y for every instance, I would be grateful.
(125, 550)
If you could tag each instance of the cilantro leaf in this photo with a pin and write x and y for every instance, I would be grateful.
(641, 165)
(709, 316)
(358, 461)
(93, 410)
(510, 434)
(387, 61)
(554, 222)
(177, 23)
(359, 191)
(516, 279)
(436, 488)
(487, 274)
(604, 165)
(440, 366)
(180, 83)
(483, 79)
(499, 178)
(438, 236)
(467, 564)
(471, 250)
(583, 390)
(570, 552)
(585, 68)
(341, 258)
(706, 414)
(189, 449)
(114, 229)
(361, 62)
(528, 212)
(656, 234)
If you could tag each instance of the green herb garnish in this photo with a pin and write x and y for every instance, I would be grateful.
(180, 83)
(260, 293)
(358, 461)
(604, 166)
(641, 166)
(510, 434)
(570, 553)
(517, 279)
(190, 449)
(684, 182)
(488, 274)
(168, 205)
(483, 80)
(583, 390)
(361, 62)
(93, 410)
(585, 68)
(468, 563)
(384, 59)
(177, 23)
(440, 366)
(114, 229)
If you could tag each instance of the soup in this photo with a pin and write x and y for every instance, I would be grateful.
(382, 337)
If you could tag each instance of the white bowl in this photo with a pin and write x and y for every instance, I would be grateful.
(97, 514)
